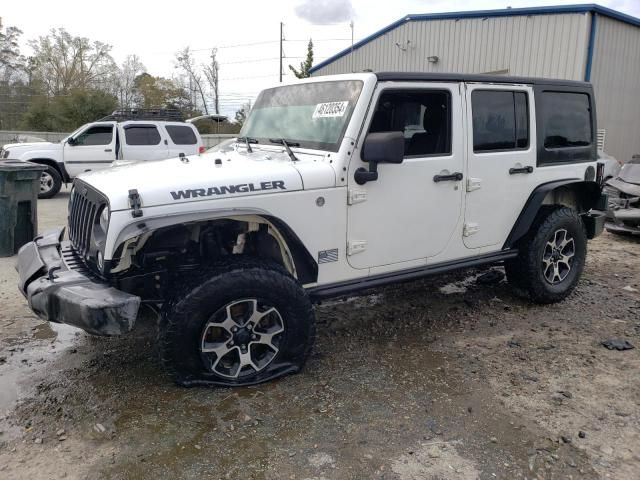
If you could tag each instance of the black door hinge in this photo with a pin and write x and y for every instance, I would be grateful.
(135, 203)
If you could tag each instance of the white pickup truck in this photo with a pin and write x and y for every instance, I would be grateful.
(97, 145)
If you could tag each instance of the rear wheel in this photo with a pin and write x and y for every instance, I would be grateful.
(552, 256)
(247, 322)
(50, 183)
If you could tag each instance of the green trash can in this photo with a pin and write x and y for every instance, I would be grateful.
(19, 187)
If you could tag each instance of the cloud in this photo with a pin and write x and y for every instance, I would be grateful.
(321, 12)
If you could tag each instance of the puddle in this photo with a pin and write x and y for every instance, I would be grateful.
(20, 362)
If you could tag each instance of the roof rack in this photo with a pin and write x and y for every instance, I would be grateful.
(144, 114)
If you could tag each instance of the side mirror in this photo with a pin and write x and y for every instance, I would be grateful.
(383, 147)
(71, 141)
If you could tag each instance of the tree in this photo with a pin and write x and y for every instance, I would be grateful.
(64, 63)
(158, 92)
(241, 115)
(68, 112)
(12, 63)
(306, 65)
(131, 69)
(211, 71)
(186, 62)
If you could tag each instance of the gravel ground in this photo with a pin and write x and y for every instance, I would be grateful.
(452, 377)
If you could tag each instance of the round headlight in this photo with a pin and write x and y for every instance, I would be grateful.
(104, 218)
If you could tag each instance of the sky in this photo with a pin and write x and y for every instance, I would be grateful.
(246, 32)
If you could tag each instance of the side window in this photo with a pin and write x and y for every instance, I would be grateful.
(500, 120)
(567, 120)
(181, 135)
(423, 116)
(98, 135)
(141, 135)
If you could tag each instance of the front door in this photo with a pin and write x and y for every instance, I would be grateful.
(411, 211)
(92, 149)
(502, 161)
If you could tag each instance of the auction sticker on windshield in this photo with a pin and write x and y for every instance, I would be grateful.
(330, 109)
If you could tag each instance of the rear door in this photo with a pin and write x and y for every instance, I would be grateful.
(143, 141)
(182, 138)
(91, 149)
(501, 151)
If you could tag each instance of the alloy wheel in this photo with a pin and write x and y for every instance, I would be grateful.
(241, 338)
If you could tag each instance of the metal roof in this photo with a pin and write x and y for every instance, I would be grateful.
(507, 12)
(470, 77)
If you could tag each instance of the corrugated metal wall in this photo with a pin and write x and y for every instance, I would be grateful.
(616, 79)
(537, 45)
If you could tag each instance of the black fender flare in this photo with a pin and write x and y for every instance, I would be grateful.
(588, 192)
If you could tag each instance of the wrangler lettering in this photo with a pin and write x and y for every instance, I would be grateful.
(228, 189)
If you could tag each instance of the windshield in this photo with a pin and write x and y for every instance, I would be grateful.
(313, 115)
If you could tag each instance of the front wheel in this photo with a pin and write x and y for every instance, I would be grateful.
(551, 257)
(50, 183)
(247, 322)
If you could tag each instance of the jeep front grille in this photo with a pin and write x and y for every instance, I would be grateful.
(84, 208)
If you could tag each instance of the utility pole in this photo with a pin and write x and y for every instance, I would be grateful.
(351, 55)
(280, 52)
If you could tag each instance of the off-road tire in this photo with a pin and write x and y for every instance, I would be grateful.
(184, 320)
(55, 181)
(526, 272)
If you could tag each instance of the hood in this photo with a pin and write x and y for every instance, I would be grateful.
(208, 176)
(16, 148)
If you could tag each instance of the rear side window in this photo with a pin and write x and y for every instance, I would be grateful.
(567, 120)
(181, 135)
(500, 120)
(142, 135)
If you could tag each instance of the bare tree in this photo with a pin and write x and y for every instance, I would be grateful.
(11, 62)
(131, 69)
(185, 61)
(211, 71)
(63, 62)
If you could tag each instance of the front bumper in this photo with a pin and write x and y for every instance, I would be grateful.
(58, 292)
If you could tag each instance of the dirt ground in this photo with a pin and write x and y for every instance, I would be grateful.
(449, 378)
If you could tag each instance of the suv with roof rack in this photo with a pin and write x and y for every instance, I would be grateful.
(130, 135)
(335, 185)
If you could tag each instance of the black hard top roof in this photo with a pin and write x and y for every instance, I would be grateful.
(470, 77)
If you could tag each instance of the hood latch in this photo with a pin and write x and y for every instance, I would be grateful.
(135, 202)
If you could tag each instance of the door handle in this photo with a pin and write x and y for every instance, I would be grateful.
(454, 177)
(513, 171)
(108, 150)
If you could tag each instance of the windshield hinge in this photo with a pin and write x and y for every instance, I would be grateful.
(356, 196)
(135, 202)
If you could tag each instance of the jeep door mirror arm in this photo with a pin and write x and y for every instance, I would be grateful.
(381, 147)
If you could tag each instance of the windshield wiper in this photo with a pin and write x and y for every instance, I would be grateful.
(248, 141)
(287, 147)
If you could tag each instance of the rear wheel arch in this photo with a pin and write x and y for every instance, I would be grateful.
(579, 195)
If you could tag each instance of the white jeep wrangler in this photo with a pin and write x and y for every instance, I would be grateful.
(136, 135)
(335, 185)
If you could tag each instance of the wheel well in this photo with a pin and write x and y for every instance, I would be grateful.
(188, 245)
(53, 164)
(580, 195)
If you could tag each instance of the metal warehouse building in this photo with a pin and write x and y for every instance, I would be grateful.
(576, 42)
